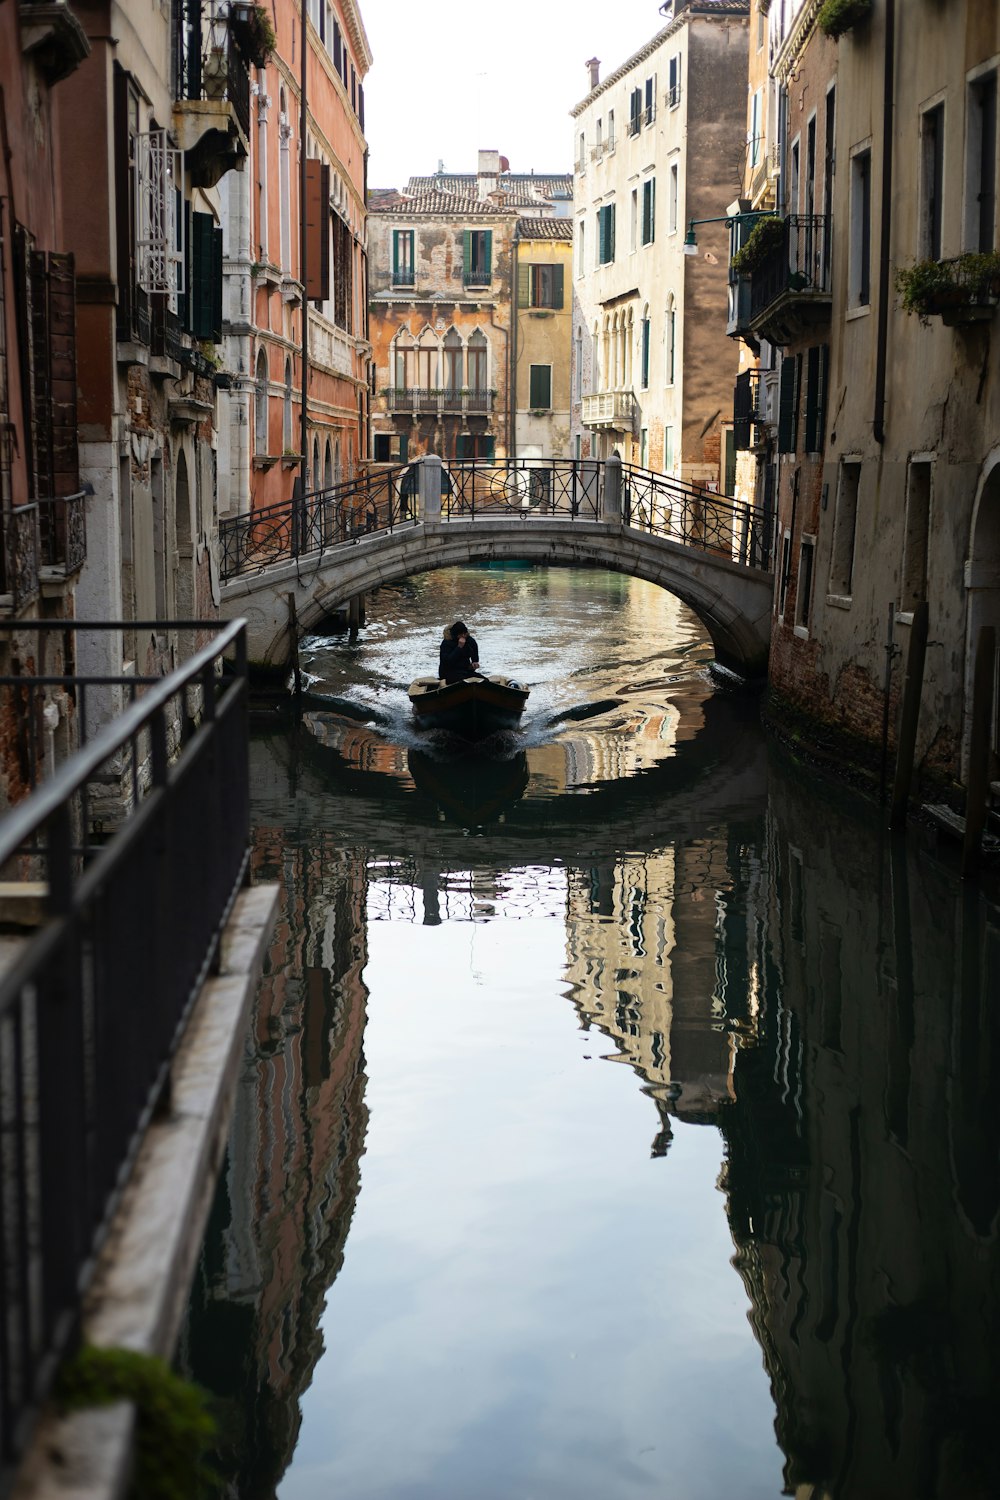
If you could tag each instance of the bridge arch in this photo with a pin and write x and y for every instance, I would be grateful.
(732, 602)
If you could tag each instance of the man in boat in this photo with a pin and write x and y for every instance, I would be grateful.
(459, 654)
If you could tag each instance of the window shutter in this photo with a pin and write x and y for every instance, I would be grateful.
(395, 254)
(202, 299)
(786, 400)
(742, 411)
(796, 403)
(462, 445)
(812, 398)
(467, 251)
(488, 253)
(382, 447)
(557, 286)
(404, 446)
(824, 365)
(611, 234)
(487, 446)
(216, 334)
(523, 285)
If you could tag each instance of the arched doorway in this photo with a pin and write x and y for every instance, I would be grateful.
(983, 601)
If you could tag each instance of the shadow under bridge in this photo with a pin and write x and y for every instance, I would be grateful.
(287, 568)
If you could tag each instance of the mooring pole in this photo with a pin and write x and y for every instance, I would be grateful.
(909, 715)
(977, 785)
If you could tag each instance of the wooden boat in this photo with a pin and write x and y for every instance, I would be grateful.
(473, 708)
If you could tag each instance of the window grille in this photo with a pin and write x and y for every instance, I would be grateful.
(159, 230)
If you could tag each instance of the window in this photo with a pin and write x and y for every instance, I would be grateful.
(788, 403)
(809, 207)
(644, 447)
(635, 112)
(931, 181)
(454, 360)
(755, 139)
(803, 602)
(816, 368)
(611, 130)
(913, 587)
(784, 575)
(649, 211)
(581, 160)
(844, 526)
(540, 286)
(260, 404)
(540, 387)
(793, 177)
(981, 164)
(581, 249)
(402, 257)
(475, 445)
(204, 299)
(159, 233)
(668, 449)
(861, 229)
(390, 448)
(671, 344)
(633, 219)
(649, 113)
(286, 423)
(644, 353)
(673, 199)
(285, 185)
(674, 81)
(476, 357)
(606, 234)
(478, 257)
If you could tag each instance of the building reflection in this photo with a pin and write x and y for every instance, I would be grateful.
(863, 1174)
(280, 1220)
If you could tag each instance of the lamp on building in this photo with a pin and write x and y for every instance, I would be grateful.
(733, 215)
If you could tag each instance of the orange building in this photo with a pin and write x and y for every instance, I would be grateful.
(260, 419)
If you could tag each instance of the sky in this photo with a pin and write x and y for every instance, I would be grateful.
(450, 76)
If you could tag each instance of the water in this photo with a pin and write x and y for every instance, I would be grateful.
(617, 1117)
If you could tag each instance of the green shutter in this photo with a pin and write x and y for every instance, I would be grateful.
(488, 246)
(216, 334)
(611, 231)
(540, 387)
(462, 442)
(201, 299)
(467, 252)
(395, 254)
(558, 295)
(404, 446)
(487, 446)
(786, 399)
(523, 285)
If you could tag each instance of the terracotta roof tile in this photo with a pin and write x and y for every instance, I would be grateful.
(545, 227)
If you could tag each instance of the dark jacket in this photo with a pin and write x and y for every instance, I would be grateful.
(455, 661)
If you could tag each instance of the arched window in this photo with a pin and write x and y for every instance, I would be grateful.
(315, 478)
(337, 472)
(328, 467)
(286, 425)
(404, 361)
(428, 361)
(454, 361)
(644, 340)
(627, 378)
(260, 404)
(285, 183)
(478, 361)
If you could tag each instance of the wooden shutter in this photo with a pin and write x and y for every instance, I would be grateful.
(467, 252)
(62, 374)
(786, 402)
(488, 254)
(523, 285)
(813, 398)
(796, 403)
(404, 446)
(462, 445)
(201, 296)
(487, 446)
(611, 231)
(317, 230)
(540, 387)
(558, 295)
(742, 410)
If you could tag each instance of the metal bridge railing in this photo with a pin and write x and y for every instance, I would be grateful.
(383, 499)
(94, 998)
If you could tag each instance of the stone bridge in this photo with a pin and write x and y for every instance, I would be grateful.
(286, 571)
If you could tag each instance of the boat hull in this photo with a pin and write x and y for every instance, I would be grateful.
(472, 708)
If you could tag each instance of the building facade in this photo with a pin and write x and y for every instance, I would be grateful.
(543, 255)
(42, 508)
(879, 292)
(657, 144)
(443, 305)
(278, 279)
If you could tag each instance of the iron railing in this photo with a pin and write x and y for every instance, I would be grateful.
(63, 531)
(696, 517)
(385, 498)
(94, 999)
(800, 264)
(473, 276)
(434, 399)
(380, 499)
(19, 554)
(209, 63)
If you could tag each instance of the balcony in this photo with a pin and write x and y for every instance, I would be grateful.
(474, 276)
(53, 36)
(790, 287)
(19, 558)
(416, 400)
(63, 535)
(212, 92)
(613, 411)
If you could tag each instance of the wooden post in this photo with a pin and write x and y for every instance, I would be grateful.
(293, 632)
(977, 787)
(909, 715)
(355, 614)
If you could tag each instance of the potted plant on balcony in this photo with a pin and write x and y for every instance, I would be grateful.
(255, 30)
(958, 291)
(765, 237)
(837, 16)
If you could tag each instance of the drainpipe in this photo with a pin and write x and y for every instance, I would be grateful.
(512, 344)
(882, 337)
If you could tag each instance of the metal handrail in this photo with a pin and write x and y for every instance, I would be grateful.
(94, 1003)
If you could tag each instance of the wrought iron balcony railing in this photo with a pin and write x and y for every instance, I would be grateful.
(63, 531)
(476, 276)
(19, 555)
(613, 409)
(418, 399)
(209, 63)
(792, 276)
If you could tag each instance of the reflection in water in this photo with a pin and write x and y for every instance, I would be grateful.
(537, 1295)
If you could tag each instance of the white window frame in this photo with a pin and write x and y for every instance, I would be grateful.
(159, 228)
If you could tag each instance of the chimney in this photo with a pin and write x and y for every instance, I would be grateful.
(489, 171)
(595, 71)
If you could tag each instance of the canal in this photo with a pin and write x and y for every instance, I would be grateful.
(617, 1118)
